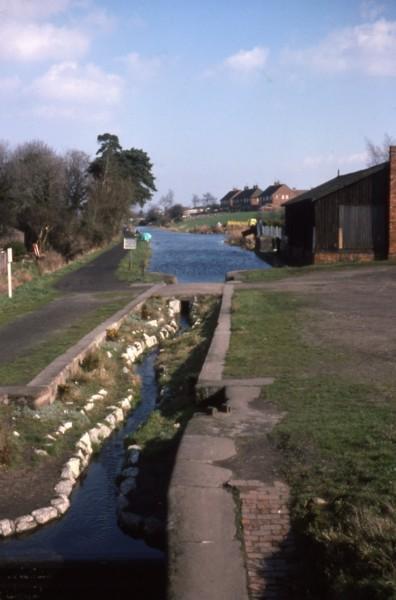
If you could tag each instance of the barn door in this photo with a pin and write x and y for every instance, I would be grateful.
(356, 227)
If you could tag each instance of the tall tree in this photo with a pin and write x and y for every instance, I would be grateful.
(137, 167)
(7, 207)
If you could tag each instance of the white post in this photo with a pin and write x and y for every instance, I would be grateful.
(9, 273)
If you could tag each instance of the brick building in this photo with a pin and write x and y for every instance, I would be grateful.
(350, 217)
(275, 195)
(249, 198)
(230, 200)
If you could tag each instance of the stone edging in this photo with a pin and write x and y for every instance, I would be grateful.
(84, 449)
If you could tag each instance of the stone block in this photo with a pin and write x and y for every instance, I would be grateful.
(44, 515)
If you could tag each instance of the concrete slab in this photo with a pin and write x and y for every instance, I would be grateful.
(199, 474)
(207, 571)
(188, 290)
(201, 514)
(206, 448)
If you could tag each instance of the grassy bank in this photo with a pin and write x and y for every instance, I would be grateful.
(212, 219)
(278, 273)
(133, 267)
(337, 441)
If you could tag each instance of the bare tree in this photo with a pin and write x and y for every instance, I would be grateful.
(7, 214)
(77, 180)
(167, 200)
(378, 154)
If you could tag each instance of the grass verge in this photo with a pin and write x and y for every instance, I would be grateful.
(278, 273)
(338, 443)
(133, 267)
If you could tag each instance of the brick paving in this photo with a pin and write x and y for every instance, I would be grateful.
(266, 537)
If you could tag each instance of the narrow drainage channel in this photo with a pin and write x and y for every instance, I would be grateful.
(86, 551)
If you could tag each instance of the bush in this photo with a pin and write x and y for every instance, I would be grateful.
(18, 248)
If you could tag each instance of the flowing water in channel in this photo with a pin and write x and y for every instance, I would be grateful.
(86, 543)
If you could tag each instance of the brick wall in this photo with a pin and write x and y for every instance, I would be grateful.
(392, 202)
(333, 257)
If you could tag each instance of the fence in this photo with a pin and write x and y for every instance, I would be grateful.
(271, 231)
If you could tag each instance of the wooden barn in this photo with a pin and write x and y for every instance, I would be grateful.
(350, 217)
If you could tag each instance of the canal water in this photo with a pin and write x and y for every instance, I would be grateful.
(86, 550)
(198, 257)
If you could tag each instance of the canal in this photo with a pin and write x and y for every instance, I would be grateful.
(198, 257)
(86, 550)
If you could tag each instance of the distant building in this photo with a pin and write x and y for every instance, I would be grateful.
(230, 200)
(249, 198)
(350, 217)
(195, 210)
(275, 195)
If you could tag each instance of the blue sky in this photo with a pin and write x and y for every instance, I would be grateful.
(220, 93)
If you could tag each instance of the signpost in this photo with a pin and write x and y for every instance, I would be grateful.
(9, 273)
(129, 244)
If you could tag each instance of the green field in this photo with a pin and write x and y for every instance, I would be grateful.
(214, 218)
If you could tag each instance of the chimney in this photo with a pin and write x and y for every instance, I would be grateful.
(392, 202)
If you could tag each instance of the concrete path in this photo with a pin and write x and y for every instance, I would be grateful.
(205, 558)
(224, 475)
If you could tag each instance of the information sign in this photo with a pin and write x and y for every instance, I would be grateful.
(129, 243)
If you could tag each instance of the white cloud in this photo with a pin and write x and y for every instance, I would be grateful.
(140, 67)
(70, 83)
(331, 159)
(32, 9)
(248, 61)
(33, 41)
(369, 48)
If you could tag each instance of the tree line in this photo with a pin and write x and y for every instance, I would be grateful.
(69, 202)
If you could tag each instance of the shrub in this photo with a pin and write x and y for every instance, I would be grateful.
(18, 248)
